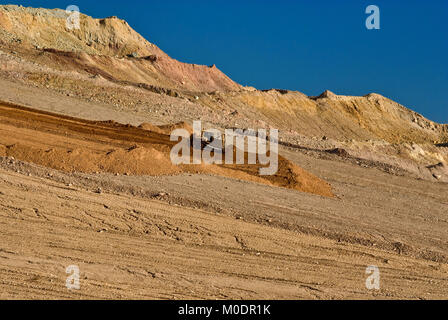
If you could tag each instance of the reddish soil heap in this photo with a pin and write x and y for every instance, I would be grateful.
(72, 144)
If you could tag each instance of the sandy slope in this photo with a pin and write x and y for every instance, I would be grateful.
(128, 247)
(397, 223)
(218, 234)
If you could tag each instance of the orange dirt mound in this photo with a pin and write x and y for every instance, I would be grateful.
(77, 145)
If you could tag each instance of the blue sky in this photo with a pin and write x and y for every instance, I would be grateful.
(303, 45)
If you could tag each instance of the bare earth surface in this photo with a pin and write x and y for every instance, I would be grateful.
(204, 236)
(129, 247)
(363, 180)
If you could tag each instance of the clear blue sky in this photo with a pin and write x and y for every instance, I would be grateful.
(302, 45)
